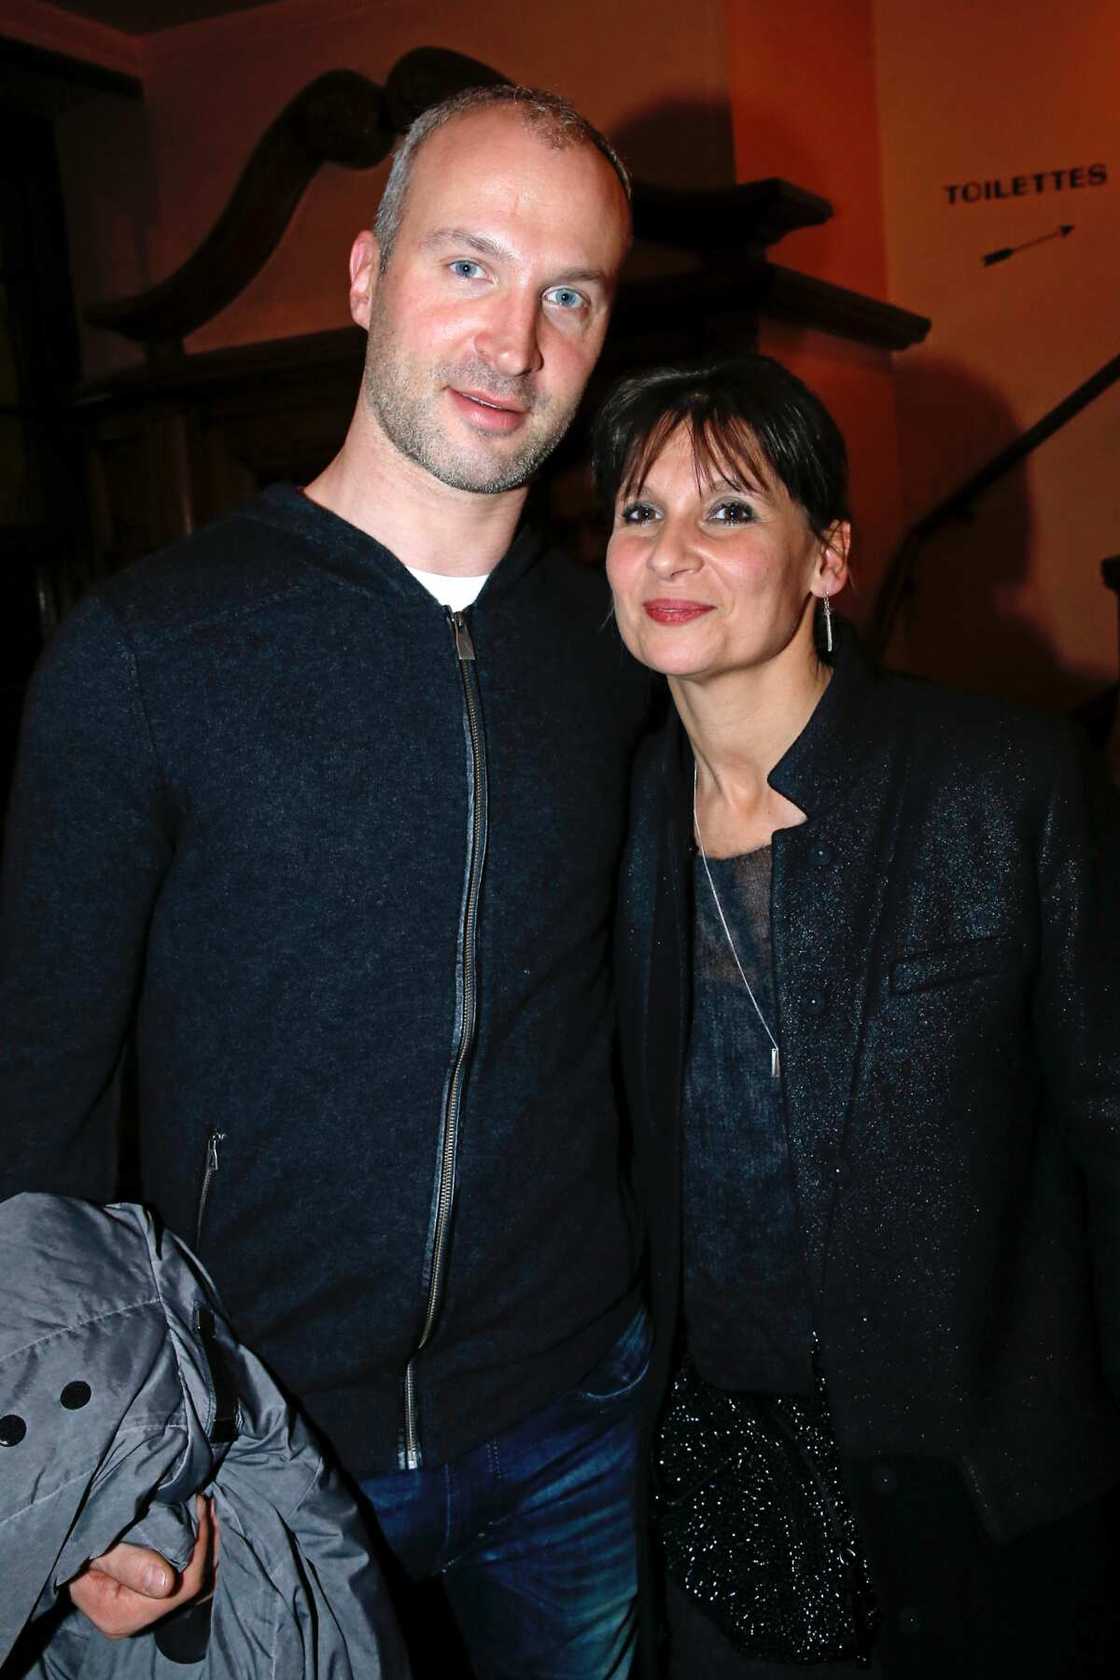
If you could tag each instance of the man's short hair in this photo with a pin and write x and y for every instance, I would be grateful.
(549, 115)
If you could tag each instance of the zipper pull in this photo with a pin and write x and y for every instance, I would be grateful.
(212, 1142)
(464, 647)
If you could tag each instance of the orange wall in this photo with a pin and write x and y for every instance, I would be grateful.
(880, 105)
(804, 106)
(801, 76)
(1014, 600)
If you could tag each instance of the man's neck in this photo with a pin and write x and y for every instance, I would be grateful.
(426, 524)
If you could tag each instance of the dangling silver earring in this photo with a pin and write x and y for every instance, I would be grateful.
(827, 625)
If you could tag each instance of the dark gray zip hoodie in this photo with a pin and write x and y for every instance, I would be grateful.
(340, 868)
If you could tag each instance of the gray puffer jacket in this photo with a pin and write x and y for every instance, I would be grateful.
(122, 1393)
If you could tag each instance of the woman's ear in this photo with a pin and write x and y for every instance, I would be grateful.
(832, 559)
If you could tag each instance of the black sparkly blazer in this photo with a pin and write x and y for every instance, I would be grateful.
(947, 974)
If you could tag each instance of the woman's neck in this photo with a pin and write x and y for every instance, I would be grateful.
(740, 725)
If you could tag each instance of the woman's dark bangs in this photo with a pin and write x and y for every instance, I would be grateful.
(646, 447)
(726, 446)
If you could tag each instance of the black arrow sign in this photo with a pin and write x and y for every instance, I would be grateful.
(1006, 251)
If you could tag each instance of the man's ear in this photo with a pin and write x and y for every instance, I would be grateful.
(365, 261)
(832, 559)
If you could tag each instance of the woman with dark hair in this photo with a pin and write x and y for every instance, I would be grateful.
(868, 987)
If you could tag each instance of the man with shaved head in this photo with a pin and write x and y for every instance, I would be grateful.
(320, 810)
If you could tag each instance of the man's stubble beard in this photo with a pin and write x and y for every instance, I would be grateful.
(403, 396)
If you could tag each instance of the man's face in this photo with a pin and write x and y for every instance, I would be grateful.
(489, 318)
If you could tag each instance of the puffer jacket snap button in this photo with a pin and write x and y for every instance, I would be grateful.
(12, 1430)
(75, 1395)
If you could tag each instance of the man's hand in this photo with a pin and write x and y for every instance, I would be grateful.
(129, 1588)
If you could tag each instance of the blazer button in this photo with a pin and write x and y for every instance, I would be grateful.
(12, 1430)
(883, 1479)
(821, 854)
(909, 1620)
(814, 1002)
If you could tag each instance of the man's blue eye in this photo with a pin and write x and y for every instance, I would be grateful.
(465, 269)
(566, 298)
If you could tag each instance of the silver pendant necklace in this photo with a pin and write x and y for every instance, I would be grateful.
(775, 1057)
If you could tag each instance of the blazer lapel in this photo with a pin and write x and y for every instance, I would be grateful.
(828, 893)
(671, 960)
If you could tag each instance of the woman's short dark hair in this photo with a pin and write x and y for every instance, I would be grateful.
(747, 416)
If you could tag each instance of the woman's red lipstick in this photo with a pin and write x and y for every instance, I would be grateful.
(675, 612)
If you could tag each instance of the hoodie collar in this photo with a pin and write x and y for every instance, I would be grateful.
(357, 558)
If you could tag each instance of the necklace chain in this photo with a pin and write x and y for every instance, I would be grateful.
(775, 1054)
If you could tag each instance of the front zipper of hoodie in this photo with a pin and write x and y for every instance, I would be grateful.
(467, 963)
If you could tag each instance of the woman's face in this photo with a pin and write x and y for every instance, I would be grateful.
(715, 578)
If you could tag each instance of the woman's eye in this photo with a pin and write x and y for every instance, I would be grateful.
(465, 269)
(732, 513)
(636, 513)
(565, 297)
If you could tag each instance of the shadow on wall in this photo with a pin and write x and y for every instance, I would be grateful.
(972, 616)
(777, 147)
(679, 143)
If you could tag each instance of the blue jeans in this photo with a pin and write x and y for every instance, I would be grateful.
(533, 1534)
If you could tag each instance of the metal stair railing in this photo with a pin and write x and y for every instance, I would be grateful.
(898, 579)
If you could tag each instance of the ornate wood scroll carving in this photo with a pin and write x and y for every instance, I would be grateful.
(341, 118)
